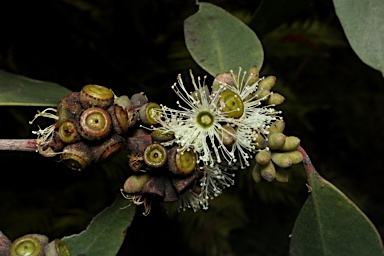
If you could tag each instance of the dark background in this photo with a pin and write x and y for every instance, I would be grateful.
(333, 103)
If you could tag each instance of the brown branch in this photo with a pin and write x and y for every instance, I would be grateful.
(18, 145)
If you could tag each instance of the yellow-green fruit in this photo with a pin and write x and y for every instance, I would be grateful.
(263, 157)
(276, 140)
(256, 173)
(281, 175)
(268, 171)
(268, 82)
(134, 184)
(275, 99)
(291, 143)
(282, 160)
(277, 126)
(295, 155)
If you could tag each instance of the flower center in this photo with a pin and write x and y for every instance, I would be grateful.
(205, 119)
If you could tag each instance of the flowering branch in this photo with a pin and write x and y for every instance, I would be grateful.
(18, 145)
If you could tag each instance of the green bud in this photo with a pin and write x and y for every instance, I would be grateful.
(282, 160)
(135, 183)
(262, 94)
(252, 76)
(295, 155)
(291, 143)
(268, 171)
(277, 126)
(261, 143)
(268, 82)
(256, 173)
(281, 175)
(276, 140)
(275, 99)
(263, 157)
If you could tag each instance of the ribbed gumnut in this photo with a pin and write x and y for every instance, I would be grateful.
(120, 119)
(267, 83)
(252, 76)
(275, 99)
(276, 140)
(147, 113)
(291, 143)
(57, 248)
(263, 157)
(134, 184)
(92, 95)
(76, 156)
(29, 245)
(268, 171)
(162, 136)
(281, 159)
(5, 244)
(231, 104)
(181, 162)
(277, 126)
(94, 124)
(68, 132)
(106, 150)
(155, 155)
(68, 108)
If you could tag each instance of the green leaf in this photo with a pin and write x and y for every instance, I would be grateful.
(363, 25)
(219, 42)
(331, 224)
(19, 90)
(106, 232)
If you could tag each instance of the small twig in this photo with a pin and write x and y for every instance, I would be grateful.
(18, 145)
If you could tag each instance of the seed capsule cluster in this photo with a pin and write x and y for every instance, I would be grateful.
(91, 126)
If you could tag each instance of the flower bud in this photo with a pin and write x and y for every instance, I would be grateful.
(134, 184)
(268, 171)
(295, 155)
(276, 140)
(256, 173)
(281, 175)
(224, 78)
(262, 94)
(267, 83)
(275, 99)
(282, 160)
(261, 142)
(139, 99)
(252, 76)
(263, 157)
(291, 143)
(277, 126)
